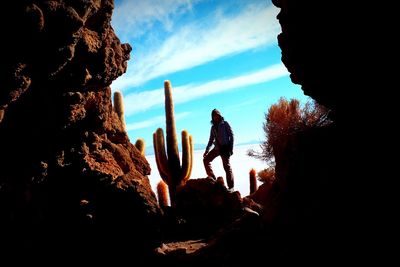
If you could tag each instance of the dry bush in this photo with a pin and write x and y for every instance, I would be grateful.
(283, 120)
(267, 175)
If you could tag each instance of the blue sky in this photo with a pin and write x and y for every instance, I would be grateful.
(217, 54)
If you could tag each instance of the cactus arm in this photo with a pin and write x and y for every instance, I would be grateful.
(190, 164)
(186, 160)
(161, 157)
(191, 157)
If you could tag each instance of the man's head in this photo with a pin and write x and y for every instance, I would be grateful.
(216, 115)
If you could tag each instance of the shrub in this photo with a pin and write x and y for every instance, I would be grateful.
(282, 121)
(267, 175)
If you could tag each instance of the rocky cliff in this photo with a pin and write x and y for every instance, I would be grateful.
(68, 172)
(325, 186)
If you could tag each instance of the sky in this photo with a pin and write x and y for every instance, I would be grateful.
(217, 54)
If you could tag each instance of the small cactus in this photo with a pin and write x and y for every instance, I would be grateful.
(119, 107)
(253, 181)
(162, 194)
(168, 162)
(140, 145)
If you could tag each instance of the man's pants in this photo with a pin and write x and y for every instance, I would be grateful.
(225, 161)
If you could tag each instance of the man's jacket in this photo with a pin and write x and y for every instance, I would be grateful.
(221, 136)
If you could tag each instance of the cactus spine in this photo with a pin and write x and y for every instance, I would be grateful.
(119, 107)
(168, 163)
(140, 145)
(162, 194)
(253, 181)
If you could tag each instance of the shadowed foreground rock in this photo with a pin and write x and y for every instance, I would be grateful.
(206, 205)
(238, 243)
(324, 191)
(323, 47)
(71, 183)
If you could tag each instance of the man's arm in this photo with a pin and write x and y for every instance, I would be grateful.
(210, 141)
(231, 137)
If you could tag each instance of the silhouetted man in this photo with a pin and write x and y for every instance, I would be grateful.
(221, 136)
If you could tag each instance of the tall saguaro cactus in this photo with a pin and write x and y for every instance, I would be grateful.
(119, 107)
(168, 164)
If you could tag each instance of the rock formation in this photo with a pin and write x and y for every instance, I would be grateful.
(68, 172)
(320, 44)
(206, 206)
(322, 191)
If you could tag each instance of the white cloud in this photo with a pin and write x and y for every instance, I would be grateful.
(198, 43)
(153, 121)
(133, 18)
(244, 104)
(142, 101)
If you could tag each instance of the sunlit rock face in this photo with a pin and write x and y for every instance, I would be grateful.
(68, 171)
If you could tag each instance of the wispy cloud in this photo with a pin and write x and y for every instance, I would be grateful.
(244, 104)
(133, 18)
(195, 44)
(153, 121)
(142, 101)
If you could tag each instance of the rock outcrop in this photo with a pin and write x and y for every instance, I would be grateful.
(68, 172)
(323, 190)
(205, 206)
(324, 48)
(237, 244)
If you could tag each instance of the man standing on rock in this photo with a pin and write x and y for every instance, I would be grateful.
(221, 136)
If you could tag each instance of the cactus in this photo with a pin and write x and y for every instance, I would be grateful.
(168, 163)
(1, 114)
(119, 107)
(140, 145)
(253, 181)
(162, 194)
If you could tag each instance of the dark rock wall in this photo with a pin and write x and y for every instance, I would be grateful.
(66, 163)
(329, 50)
(323, 202)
